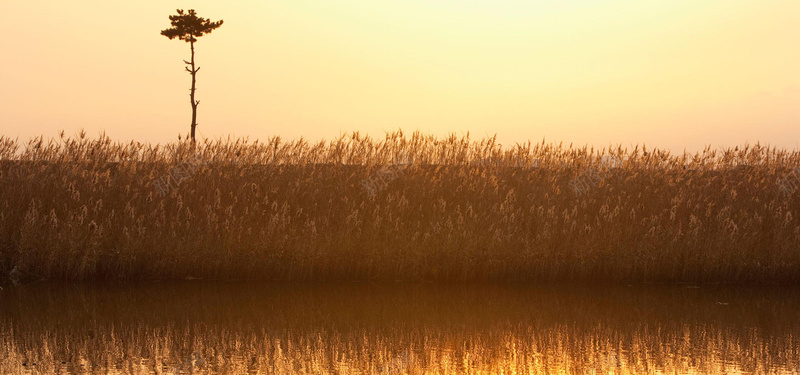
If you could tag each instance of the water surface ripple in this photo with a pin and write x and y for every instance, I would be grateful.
(230, 328)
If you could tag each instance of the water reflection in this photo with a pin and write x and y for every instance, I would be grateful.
(387, 329)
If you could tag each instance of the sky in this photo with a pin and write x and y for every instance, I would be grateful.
(677, 74)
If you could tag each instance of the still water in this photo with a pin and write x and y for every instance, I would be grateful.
(199, 328)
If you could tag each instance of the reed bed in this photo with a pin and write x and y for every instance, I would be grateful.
(79, 208)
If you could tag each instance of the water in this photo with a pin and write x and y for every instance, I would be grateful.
(231, 328)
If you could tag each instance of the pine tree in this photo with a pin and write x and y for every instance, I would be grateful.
(187, 26)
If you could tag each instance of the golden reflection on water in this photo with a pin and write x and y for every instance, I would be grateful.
(203, 328)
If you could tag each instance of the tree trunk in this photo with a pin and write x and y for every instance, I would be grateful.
(191, 96)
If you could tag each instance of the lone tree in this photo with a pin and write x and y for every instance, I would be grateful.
(188, 27)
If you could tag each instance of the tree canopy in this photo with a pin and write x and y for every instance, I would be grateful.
(187, 26)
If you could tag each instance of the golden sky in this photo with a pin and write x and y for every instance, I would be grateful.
(676, 74)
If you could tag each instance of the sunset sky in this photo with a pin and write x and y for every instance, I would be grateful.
(676, 74)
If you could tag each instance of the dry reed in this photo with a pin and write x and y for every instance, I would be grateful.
(83, 208)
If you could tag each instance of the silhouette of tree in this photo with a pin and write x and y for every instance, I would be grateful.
(187, 26)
